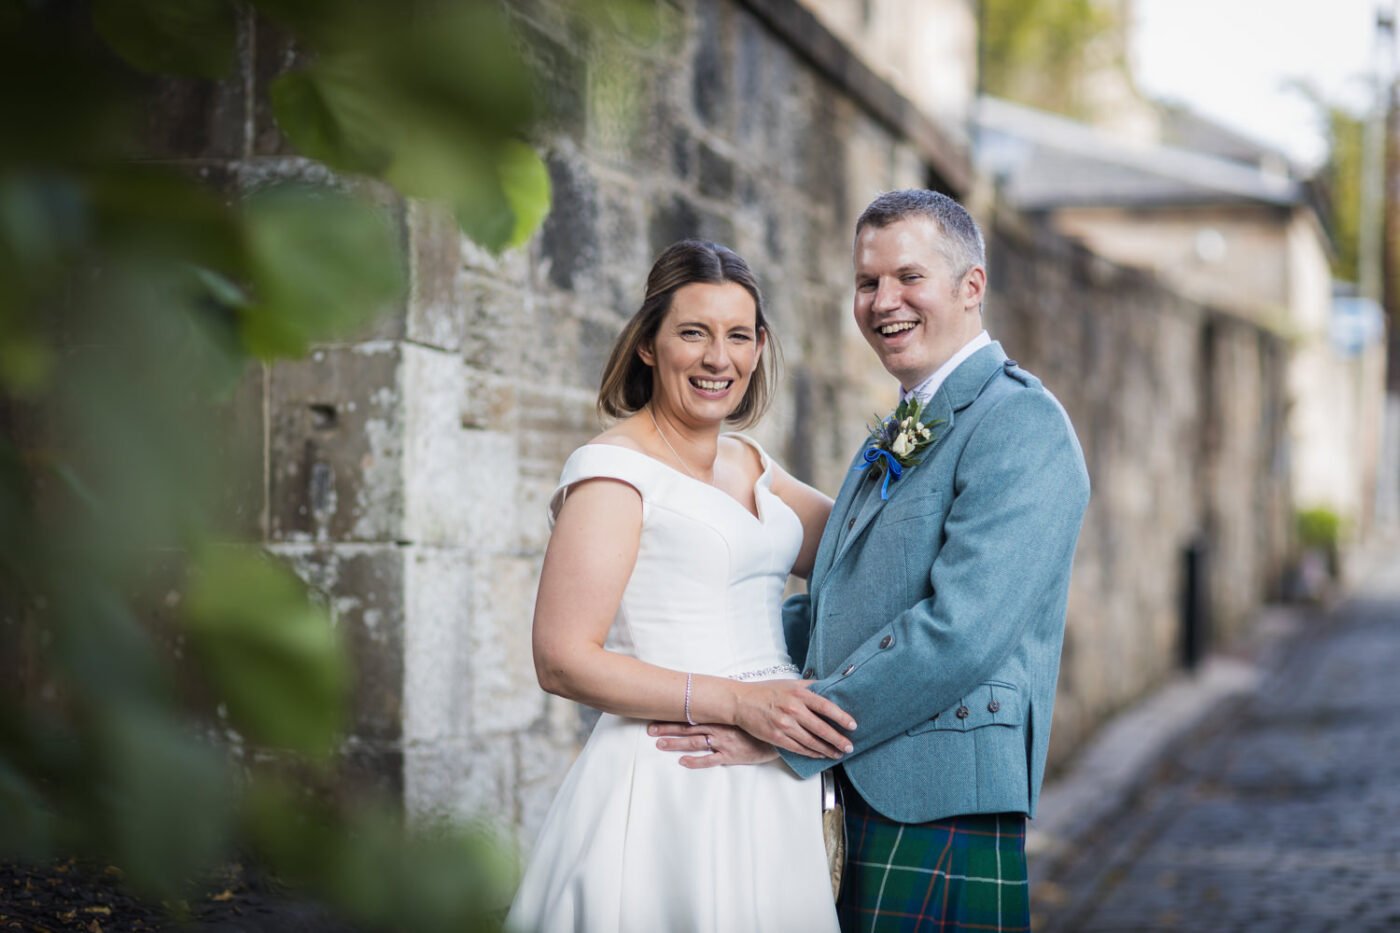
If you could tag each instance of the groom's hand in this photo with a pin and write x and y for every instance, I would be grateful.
(786, 714)
(721, 745)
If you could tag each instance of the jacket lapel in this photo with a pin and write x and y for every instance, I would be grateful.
(959, 390)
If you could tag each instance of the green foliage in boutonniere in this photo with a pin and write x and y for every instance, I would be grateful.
(897, 443)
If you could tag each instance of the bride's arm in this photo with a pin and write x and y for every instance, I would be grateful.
(587, 564)
(812, 506)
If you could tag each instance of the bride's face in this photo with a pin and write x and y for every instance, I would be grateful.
(705, 352)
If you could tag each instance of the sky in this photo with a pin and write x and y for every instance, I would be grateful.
(1231, 60)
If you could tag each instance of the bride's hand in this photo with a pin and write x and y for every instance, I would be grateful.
(786, 714)
(723, 745)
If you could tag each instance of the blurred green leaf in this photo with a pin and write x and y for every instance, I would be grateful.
(456, 67)
(150, 214)
(322, 264)
(28, 826)
(25, 363)
(184, 37)
(154, 765)
(330, 114)
(448, 878)
(271, 654)
(525, 180)
(61, 102)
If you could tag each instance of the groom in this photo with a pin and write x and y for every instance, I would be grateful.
(935, 616)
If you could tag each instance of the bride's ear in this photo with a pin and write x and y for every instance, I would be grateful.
(645, 353)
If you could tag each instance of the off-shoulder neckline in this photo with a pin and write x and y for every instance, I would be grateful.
(758, 483)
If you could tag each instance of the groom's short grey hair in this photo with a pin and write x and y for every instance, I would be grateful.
(962, 244)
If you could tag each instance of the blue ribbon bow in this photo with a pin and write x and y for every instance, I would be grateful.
(892, 468)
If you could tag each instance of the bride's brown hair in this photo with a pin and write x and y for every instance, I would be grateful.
(627, 381)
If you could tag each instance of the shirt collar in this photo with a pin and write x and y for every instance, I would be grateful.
(926, 389)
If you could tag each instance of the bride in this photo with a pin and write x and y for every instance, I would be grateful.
(660, 599)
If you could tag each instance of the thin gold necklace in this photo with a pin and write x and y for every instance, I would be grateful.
(679, 458)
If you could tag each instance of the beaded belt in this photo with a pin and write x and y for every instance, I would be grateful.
(765, 673)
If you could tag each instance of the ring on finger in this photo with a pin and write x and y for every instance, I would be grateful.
(709, 744)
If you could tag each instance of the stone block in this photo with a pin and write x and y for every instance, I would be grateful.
(569, 239)
(553, 424)
(490, 401)
(336, 446)
(363, 587)
(716, 174)
(241, 493)
(274, 54)
(436, 313)
(677, 217)
(437, 645)
(372, 769)
(822, 167)
(198, 118)
(435, 448)
(624, 252)
(711, 91)
(496, 317)
(506, 696)
(463, 780)
(490, 478)
(673, 218)
(621, 87)
(752, 48)
(561, 80)
(682, 154)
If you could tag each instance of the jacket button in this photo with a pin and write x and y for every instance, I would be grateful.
(993, 706)
(807, 674)
(886, 641)
(963, 712)
(848, 670)
(1010, 364)
(850, 524)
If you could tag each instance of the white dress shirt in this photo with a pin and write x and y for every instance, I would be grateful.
(929, 386)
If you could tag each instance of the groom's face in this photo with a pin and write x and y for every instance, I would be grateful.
(911, 306)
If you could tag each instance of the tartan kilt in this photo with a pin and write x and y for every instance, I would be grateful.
(960, 873)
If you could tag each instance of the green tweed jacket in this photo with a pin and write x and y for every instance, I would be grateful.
(936, 617)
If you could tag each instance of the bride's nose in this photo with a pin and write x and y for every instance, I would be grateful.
(716, 355)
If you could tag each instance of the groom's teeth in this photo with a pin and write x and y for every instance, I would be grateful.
(888, 329)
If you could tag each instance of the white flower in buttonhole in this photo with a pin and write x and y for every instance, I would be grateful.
(897, 442)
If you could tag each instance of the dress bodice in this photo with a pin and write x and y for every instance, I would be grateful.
(706, 592)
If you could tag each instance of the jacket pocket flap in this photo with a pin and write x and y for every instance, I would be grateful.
(990, 704)
(914, 506)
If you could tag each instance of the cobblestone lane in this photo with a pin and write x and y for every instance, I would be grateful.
(1282, 813)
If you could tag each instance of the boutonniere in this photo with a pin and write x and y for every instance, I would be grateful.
(897, 442)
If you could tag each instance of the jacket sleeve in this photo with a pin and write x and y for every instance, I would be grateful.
(1020, 490)
(797, 627)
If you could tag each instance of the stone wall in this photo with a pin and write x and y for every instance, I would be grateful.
(406, 472)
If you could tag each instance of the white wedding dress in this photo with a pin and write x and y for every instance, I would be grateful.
(634, 841)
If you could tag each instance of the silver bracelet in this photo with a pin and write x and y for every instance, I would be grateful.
(687, 699)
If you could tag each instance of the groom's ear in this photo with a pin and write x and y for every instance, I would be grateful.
(974, 288)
